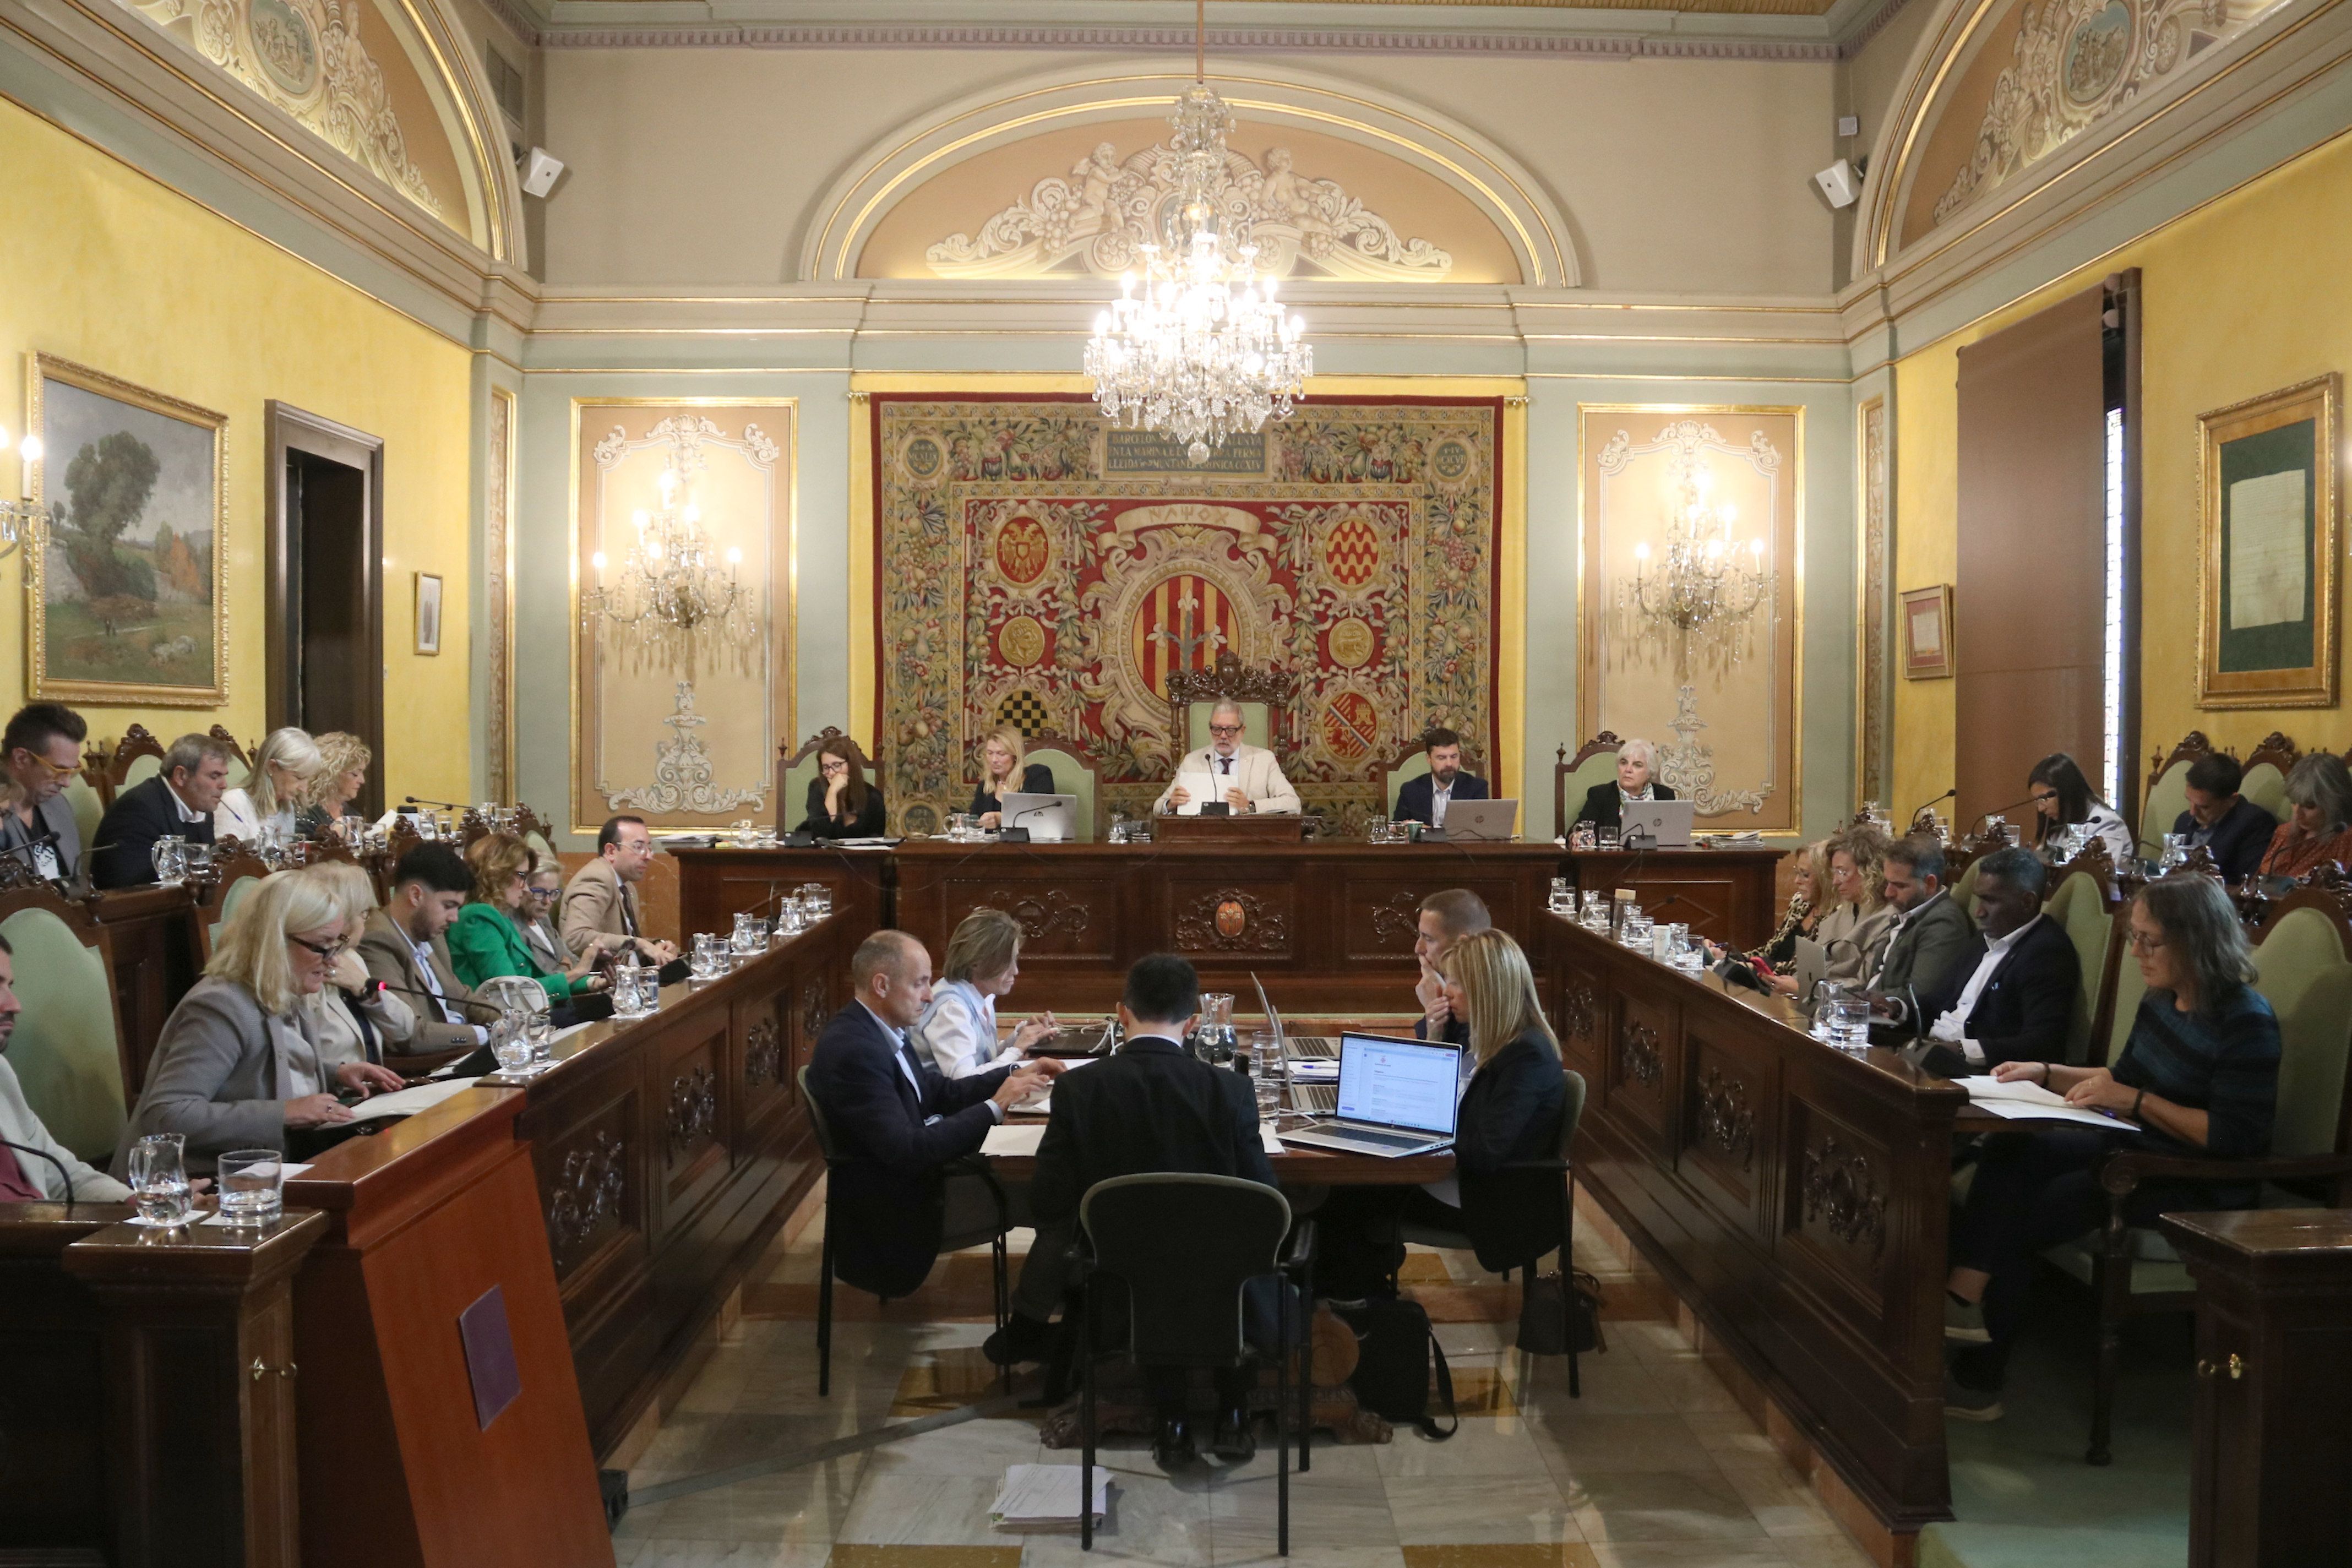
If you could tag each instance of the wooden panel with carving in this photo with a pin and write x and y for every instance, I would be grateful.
(1728, 1105)
(1836, 1184)
(1581, 1018)
(1380, 908)
(1075, 922)
(683, 1088)
(716, 885)
(1644, 1041)
(1233, 917)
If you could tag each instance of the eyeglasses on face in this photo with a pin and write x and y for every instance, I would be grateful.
(331, 952)
(51, 768)
(1224, 729)
(2144, 942)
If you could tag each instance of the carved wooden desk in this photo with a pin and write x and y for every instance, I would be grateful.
(1795, 1196)
(1724, 895)
(716, 885)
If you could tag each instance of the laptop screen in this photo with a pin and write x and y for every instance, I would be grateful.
(1399, 1083)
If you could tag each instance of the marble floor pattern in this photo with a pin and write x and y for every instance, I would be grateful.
(1656, 1465)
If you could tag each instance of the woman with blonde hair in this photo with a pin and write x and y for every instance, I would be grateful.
(1000, 763)
(1809, 905)
(1861, 922)
(282, 774)
(486, 940)
(358, 1021)
(344, 760)
(1510, 1111)
(237, 1064)
(958, 1030)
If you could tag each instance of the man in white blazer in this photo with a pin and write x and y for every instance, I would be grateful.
(1248, 776)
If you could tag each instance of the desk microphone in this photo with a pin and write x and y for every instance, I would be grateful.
(63, 1174)
(446, 1001)
(444, 805)
(1939, 800)
(1007, 833)
(1997, 811)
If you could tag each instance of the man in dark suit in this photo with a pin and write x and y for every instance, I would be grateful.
(2012, 997)
(1424, 799)
(177, 802)
(40, 753)
(1931, 935)
(1604, 803)
(1445, 917)
(2232, 828)
(897, 1124)
(1153, 1106)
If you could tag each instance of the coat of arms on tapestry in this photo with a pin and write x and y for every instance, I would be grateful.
(1038, 568)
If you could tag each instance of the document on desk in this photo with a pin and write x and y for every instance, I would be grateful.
(1200, 786)
(409, 1101)
(1013, 1140)
(2022, 1101)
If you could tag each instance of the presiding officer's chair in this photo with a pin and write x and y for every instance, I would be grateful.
(67, 1046)
(796, 769)
(1573, 777)
(1073, 776)
(952, 1243)
(1184, 1246)
(1564, 1193)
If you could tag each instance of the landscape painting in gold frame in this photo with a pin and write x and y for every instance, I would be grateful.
(2267, 497)
(1927, 633)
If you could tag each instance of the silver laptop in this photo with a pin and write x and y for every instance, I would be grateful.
(1046, 817)
(1666, 824)
(1396, 1098)
(1468, 821)
(1322, 1047)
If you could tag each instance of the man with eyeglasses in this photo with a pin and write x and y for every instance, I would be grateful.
(1244, 778)
(40, 754)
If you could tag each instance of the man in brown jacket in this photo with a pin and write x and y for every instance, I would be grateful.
(602, 898)
(402, 947)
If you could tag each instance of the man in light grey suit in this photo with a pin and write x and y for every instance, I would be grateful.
(1247, 777)
(40, 754)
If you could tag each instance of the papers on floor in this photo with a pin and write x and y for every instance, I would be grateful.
(410, 1100)
(1013, 1140)
(1045, 1497)
(2022, 1101)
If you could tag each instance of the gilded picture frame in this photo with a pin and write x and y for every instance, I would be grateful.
(150, 472)
(1927, 633)
(2269, 533)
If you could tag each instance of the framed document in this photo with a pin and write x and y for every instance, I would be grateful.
(428, 612)
(1927, 633)
(2267, 485)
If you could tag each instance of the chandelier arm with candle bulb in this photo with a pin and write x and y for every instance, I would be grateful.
(22, 521)
(673, 596)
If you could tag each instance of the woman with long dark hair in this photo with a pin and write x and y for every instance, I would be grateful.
(841, 804)
(2062, 798)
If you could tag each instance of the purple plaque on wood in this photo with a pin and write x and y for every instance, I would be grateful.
(489, 1355)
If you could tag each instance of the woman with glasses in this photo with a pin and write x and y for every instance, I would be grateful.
(548, 948)
(2062, 798)
(358, 1020)
(2318, 826)
(487, 940)
(237, 1064)
(841, 804)
(2198, 1077)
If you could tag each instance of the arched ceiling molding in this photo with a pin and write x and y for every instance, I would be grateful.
(1534, 224)
(1942, 98)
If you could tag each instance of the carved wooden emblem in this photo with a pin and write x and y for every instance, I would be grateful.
(587, 1195)
(1040, 915)
(1579, 1013)
(1638, 1054)
(1725, 1121)
(814, 1010)
(693, 1110)
(1841, 1189)
(1228, 921)
(763, 1053)
(1396, 917)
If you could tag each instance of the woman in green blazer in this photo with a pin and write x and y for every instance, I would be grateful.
(486, 940)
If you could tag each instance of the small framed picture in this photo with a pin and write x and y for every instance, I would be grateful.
(428, 612)
(1927, 633)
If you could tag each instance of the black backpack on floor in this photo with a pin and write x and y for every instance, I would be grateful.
(1395, 1349)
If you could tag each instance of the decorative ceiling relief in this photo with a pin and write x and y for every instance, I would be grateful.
(306, 57)
(2073, 64)
(1097, 218)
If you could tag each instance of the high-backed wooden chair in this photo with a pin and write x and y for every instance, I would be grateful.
(1595, 762)
(1413, 763)
(2167, 795)
(2265, 775)
(67, 1045)
(1263, 695)
(795, 769)
(2084, 906)
(1073, 775)
(238, 754)
(135, 759)
(236, 878)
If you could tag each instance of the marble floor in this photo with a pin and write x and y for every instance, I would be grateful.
(1656, 1465)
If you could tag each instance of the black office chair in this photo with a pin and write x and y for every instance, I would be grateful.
(1571, 1112)
(952, 1243)
(1184, 1246)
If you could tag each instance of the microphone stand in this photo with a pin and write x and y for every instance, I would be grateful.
(63, 1174)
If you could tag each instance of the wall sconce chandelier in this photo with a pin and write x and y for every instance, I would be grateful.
(21, 522)
(673, 590)
(1708, 587)
(1204, 350)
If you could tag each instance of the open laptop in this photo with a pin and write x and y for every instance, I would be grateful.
(1665, 823)
(1046, 817)
(1320, 1046)
(1472, 821)
(1396, 1098)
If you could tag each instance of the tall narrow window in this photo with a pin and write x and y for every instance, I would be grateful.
(2112, 696)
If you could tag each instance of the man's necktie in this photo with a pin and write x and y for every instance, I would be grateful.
(1226, 766)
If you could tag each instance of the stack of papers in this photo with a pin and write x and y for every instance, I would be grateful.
(1199, 786)
(1313, 1069)
(410, 1100)
(1013, 1140)
(2022, 1101)
(1045, 1497)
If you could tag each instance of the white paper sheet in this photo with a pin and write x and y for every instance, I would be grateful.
(1267, 1140)
(1013, 1140)
(1045, 1497)
(1987, 1087)
(2267, 559)
(1200, 786)
(410, 1100)
(2019, 1110)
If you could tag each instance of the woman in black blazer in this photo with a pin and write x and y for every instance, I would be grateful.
(1000, 759)
(1510, 1111)
(841, 804)
(1635, 761)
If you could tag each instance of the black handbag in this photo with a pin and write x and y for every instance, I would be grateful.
(1544, 1329)
(1395, 1349)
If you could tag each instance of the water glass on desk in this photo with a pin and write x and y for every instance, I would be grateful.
(1827, 997)
(1562, 900)
(252, 1186)
(1849, 1027)
(1267, 1073)
(159, 1179)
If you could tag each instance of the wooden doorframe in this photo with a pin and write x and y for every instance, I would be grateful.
(291, 430)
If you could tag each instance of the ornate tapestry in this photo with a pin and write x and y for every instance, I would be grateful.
(1035, 567)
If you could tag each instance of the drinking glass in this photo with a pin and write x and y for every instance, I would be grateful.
(1560, 897)
(540, 1025)
(252, 1186)
(1853, 1023)
(159, 1179)
(1119, 827)
(1606, 838)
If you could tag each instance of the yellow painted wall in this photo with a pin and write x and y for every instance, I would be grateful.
(2241, 298)
(108, 267)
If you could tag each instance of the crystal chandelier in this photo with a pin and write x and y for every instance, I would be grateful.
(672, 592)
(1203, 351)
(1704, 591)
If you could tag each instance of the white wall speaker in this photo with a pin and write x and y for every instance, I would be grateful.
(542, 169)
(1838, 182)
